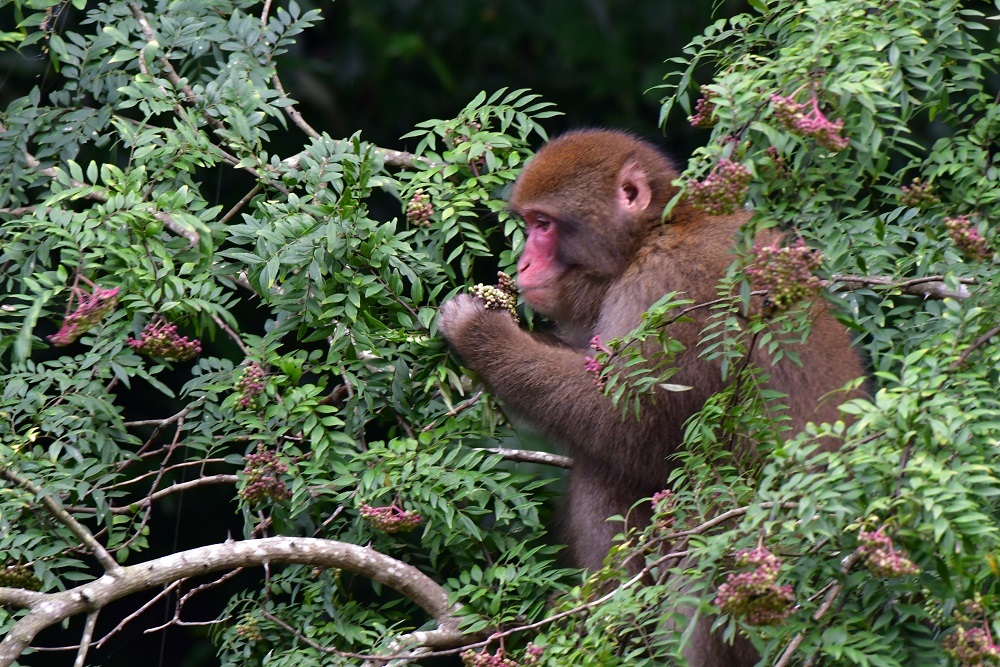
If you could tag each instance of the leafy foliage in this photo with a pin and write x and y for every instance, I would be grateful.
(322, 389)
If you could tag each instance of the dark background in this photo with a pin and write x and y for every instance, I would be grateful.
(381, 66)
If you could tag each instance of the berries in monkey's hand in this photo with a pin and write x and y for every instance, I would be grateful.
(502, 296)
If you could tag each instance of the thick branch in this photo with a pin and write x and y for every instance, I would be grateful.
(532, 456)
(53, 608)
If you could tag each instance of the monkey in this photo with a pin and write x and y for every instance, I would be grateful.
(598, 253)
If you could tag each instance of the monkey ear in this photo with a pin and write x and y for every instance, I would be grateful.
(632, 190)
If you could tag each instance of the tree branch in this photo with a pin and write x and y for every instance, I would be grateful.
(929, 287)
(46, 610)
(531, 456)
(111, 567)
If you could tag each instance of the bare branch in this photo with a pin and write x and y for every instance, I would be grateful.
(175, 488)
(86, 639)
(65, 518)
(929, 287)
(531, 456)
(49, 609)
(979, 342)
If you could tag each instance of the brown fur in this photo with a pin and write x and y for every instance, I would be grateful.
(614, 266)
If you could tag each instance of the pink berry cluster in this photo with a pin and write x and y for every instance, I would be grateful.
(664, 503)
(593, 365)
(250, 385)
(159, 339)
(502, 296)
(972, 647)
(484, 659)
(263, 471)
(723, 191)
(704, 111)
(881, 557)
(91, 308)
(532, 655)
(419, 209)
(806, 120)
(786, 273)
(754, 596)
(966, 236)
(918, 194)
(391, 519)
(249, 629)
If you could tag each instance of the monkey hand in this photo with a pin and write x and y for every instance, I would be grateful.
(465, 317)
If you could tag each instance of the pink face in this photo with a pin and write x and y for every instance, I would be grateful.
(538, 270)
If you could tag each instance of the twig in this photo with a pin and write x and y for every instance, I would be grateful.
(232, 334)
(175, 488)
(464, 405)
(979, 342)
(86, 639)
(531, 456)
(929, 287)
(111, 567)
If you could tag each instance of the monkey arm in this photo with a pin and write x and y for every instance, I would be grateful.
(549, 387)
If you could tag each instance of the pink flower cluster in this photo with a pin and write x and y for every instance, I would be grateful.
(159, 339)
(391, 519)
(918, 194)
(263, 471)
(967, 238)
(806, 120)
(704, 111)
(419, 209)
(91, 309)
(972, 647)
(723, 191)
(755, 596)
(250, 385)
(881, 557)
(786, 273)
(484, 659)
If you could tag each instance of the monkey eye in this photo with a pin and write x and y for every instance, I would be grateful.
(541, 222)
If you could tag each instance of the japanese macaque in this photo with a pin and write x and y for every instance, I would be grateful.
(598, 253)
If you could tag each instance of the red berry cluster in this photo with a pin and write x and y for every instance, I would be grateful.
(501, 296)
(664, 504)
(484, 659)
(263, 471)
(786, 274)
(967, 238)
(15, 575)
(391, 519)
(250, 385)
(972, 647)
(723, 191)
(419, 209)
(754, 596)
(918, 194)
(806, 120)
(881, 557)
(91, 308)
(159, 339)
(532, 655)
(704, 111)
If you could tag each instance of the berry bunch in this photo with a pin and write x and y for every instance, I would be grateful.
(967, 238)
(918, 194)
(159, 339)
(593, 364)
(806, 120)
(881, 557)
(263, 471)
(484, 659)
(754, 596)
(250, 385)
(502, 296)
(704, 111)
(91, 308)
(664, 503)
(391, 519)
(249, 629)
(723, 191)
(19, 576)
(532, 655)
(786, 274)
(419, 209)
(972, 647)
